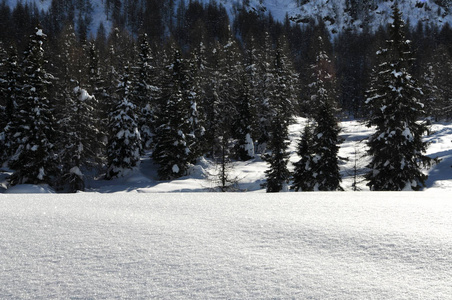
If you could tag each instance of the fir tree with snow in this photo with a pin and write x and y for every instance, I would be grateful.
(124, 144)
(280, 98)
(244, 148)
(322, 84)
(322, 155)
(325, 141)
(277, 175)
(34, 160)
(394, 100)
(145, 92)
(437, 85)
(11, 91)
(303, 177)
(172, 137)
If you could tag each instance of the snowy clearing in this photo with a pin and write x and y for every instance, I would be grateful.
(188, 246)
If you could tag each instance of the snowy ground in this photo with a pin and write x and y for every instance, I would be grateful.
(250, 175)
(251, 246)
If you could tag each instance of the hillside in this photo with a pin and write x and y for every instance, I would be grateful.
(339, 15)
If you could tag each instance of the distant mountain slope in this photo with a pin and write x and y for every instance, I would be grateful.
(338, 15)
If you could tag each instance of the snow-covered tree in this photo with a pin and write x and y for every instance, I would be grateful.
(324, 146)
(11, 91)
(173, 134)
(303, 175)
(145, 92)
(258, 65)
(437, 84)
(244, 148)
(394, 100)
(124, 144)
(322, 84)
(280, 98)
(34, 159)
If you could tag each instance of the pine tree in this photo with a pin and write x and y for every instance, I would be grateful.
(259, 68)
(303, 176)
(325, 140)
(280, 99)
(228, 92)
(437, 85)
(11, 91)
(324, 148)
(145, 92)
(172, 138)
(322, 84)
(244, 148)
(124, 144)
(396, 147)
(34, 160)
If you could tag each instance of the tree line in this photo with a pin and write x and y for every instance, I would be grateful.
(71, 104)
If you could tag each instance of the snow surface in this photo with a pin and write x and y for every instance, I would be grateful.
(365, 245)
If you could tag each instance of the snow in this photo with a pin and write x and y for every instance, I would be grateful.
(249, 145)
(186, 246)
(76, 171)
(41, 173)
(175, 169)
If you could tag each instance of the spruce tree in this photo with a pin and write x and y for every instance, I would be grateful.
(244, 148)
(394, 100)
(437, 85)
(34, 159)
(124, 144)
(280, 96)
(319, 158)
(172, 137)
(11, 91)
(145, 92)
(303, 176)
(325, 140)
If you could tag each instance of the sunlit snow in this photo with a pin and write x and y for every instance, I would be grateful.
(249, 246)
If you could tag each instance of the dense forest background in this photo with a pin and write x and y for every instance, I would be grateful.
(186, 71)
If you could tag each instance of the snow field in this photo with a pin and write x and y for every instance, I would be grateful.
(212, 246)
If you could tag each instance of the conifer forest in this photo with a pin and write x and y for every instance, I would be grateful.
(176, 82)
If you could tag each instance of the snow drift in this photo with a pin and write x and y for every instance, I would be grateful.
(250, 246)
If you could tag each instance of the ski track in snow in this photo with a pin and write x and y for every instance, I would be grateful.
(187, 246)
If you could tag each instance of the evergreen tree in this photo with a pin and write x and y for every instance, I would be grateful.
(145, 92)
(172, 138)
(322, 84)
(303, 176)
(11, 85)
(124, 144)
(34, 159)
(396, 147)
(437, 85)
(280, 99)
(244, 148)
(229, 90)
(195, 94)
(325, 140)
